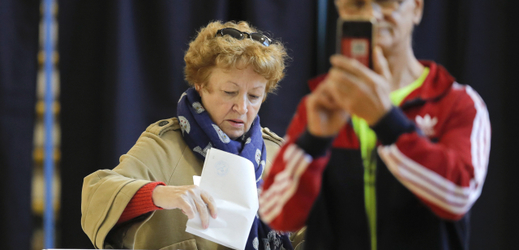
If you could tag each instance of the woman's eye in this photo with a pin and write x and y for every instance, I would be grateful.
(230, 92)
(357, 4)
(254, 97)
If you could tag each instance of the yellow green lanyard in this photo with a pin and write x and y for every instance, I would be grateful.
(368, 140)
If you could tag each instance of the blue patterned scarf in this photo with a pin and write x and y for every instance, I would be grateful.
(200, 134)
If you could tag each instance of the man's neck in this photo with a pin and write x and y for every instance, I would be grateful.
(404, 67)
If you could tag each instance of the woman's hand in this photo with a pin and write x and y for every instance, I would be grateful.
(190, 199)
(359, 90)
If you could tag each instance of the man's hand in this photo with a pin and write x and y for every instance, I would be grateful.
(190, 199)
(359, 90)
(325, 117)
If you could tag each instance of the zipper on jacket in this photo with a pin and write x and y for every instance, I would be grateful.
(368, 141)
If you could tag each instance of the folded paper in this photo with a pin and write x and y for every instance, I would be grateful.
(230, 179)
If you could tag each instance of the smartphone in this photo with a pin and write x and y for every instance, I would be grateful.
(355, 39)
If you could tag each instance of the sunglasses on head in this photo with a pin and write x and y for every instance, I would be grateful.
(265, 40)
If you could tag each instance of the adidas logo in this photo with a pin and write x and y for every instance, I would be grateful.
(426, 124)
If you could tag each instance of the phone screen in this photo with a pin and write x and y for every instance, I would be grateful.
(355, 38)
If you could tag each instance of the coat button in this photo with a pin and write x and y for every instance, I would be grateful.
(163, 123)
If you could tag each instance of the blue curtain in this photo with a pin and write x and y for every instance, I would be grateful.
(121, 68)
(18, 66)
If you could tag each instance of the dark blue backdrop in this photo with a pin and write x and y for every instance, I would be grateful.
(18, 67)
(121, 68)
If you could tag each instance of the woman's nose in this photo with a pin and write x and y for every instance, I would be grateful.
(240, 105)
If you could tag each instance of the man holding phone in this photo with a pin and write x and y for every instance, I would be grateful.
(388, 157)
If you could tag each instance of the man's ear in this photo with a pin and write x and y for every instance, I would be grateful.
(418, 11)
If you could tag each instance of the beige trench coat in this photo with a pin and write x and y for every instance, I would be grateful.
(160, 154)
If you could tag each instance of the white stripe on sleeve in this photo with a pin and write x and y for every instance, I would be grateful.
(436, 188)
(285, 183)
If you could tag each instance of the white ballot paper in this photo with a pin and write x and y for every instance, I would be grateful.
(231, 181)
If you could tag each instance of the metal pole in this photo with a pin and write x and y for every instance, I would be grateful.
(322, 12)
(48, 218)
